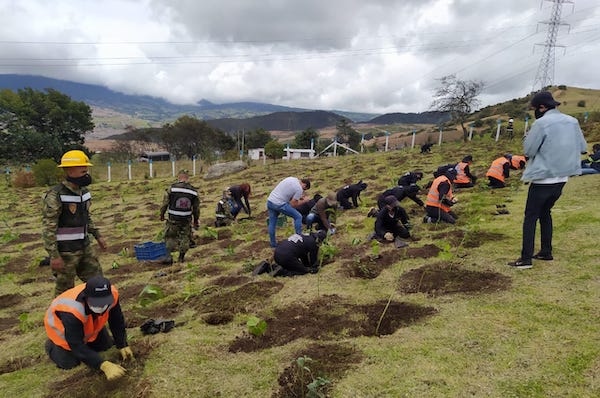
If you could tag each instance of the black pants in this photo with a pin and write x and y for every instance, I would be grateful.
(540, 200)
(437, 215)
(495, 183)
(464, 184)
(65, 359)
(292, 264)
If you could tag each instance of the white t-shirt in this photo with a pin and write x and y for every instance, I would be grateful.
(289, 188)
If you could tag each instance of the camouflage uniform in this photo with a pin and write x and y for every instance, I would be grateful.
(223, 212)
(182, 204)
(66, 227)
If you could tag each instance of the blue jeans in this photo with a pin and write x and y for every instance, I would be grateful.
(588, 170)
(288, 210)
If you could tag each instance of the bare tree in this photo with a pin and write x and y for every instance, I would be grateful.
(458, 98)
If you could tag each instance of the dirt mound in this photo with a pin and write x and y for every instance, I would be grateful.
(242, 299)
(469, 239)
(439, 279)
(230, 280)
(316, 362)
(369, 267)
(9, 300)
(426, 251)
(218, 318)
(15, 364)
(329, 317)
(8, 323)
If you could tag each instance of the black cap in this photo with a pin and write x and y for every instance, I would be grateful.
(391, 200)
(468, 158)
(544, 98)
(98, 292)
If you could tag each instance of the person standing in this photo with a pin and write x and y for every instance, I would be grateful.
(554, 146)
(67, 224)
(182, 204)
(237, 193)
(75, 326)
(284, 199)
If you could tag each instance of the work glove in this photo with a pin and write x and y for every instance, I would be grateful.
(112, 370)
(388, 236)
(126, 353)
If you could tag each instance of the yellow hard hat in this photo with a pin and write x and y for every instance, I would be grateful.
(74, 158)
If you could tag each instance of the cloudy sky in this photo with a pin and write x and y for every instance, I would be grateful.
(373, 56)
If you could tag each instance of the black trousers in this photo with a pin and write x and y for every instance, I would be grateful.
(437, 215)
(495, 183)
(65, 359)
(540, 200)
(292, 264)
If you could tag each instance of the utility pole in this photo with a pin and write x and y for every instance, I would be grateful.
(545, 73)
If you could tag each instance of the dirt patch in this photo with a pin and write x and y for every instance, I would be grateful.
(18, 265)
(85, 382)
(15, 364)
(28, 238)
(326, 361)
(426, 251)
(230, 244)
(130, 293)
(439, 279)
(218, 318)
(9, 300)
(230, 280)
(242, 299)
(330, 317)
(8, 323)
(369, 267)
(125, 247)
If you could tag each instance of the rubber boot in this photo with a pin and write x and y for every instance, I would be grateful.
(181, 256)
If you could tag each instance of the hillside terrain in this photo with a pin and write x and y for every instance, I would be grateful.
(444, 317)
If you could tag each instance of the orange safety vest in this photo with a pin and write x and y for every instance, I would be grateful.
(516, 160)
(67, 302)
(497, 169)
(433, 197)
(461, 177)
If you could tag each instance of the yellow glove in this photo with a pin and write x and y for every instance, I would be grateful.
(126, 353)
(112, 370)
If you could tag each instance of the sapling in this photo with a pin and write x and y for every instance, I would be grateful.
(374, 248)
(149, 294)
(256, 326)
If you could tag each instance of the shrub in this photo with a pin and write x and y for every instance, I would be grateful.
(23, 179)
(46, 173)
(581, 104)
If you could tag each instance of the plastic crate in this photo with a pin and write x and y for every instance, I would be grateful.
(281, 220)
(150, 250)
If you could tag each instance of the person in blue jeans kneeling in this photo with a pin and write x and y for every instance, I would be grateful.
(284, 199)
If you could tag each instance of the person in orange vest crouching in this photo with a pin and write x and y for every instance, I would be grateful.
(499, 171)
(440, 197)
(464, 178)
(75, 325)
(518, 162)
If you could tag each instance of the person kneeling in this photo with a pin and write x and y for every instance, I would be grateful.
(440, 199)
(387, 227)
(298, 254)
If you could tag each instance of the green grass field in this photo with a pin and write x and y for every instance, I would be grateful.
(479, 328)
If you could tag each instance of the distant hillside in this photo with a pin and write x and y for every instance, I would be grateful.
(286, 121)
(411, 118)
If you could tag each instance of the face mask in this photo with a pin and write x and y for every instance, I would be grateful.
(98, 310)
(538, 113)
(82, 181)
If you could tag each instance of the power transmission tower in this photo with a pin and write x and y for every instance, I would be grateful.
(545, 73)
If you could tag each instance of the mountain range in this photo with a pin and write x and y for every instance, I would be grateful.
(142, 110)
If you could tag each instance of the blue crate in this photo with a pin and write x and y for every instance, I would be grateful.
(150, 250)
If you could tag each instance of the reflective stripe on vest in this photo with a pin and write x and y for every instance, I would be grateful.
(461, 177)
(496, 169)
(433, 196)
(76, 198)
(67, 302)
(70, 233)
(184, 190)
(180, 213)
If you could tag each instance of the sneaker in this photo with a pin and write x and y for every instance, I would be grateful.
(520, 264)
(263, 267)
(276, 270)
(400, 243)
(545, 257)
(372, 212)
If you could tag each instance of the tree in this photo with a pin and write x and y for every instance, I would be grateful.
(457, 97)
(189, 136)
(347, 135)
(303, 139)
(274, 150)
(257, 138)
(35, 124)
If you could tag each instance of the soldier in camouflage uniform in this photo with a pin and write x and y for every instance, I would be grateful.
(182, 204)
(223, 213)
(67, 224)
